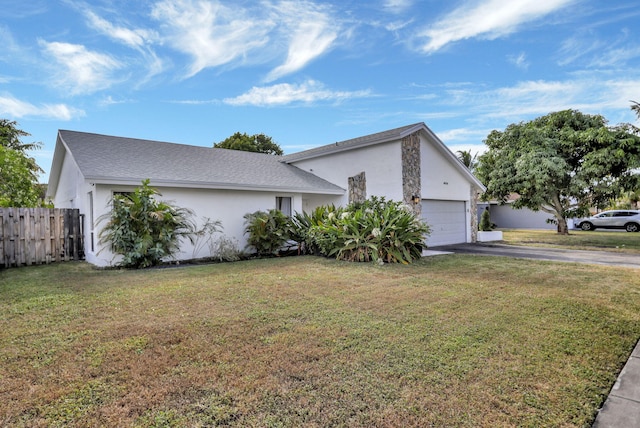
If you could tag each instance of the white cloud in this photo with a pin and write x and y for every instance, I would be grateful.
(211, 33)
(474, 149)
(80, 70)
(13, 107)
(519, 61)
(462, 134)
(488, 19)
(311, 32)
(397, 6)
(285, 93)
(591, 93)
(136, 38)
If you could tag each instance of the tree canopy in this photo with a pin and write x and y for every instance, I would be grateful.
(562, 163)
(18, 172)
(259, 143)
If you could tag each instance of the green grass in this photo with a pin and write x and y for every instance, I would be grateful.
(577, 239)
(448, 341)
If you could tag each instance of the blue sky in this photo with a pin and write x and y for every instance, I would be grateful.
(309, 73)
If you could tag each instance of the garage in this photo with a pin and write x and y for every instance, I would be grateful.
(447, 220)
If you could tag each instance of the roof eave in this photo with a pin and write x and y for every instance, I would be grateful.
(118, 181)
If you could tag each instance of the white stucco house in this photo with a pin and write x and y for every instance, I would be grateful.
(409, 164)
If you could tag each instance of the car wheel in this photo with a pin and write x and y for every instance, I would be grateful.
(632, 227)
(586, 226)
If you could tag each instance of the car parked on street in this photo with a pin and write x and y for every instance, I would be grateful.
(628, 220)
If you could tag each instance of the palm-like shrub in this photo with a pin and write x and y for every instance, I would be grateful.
(143, 230)
(268, 231)
(375, 230)
(301, 228)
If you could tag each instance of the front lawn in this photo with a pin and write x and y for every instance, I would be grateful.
(618, 241)
(448, 341)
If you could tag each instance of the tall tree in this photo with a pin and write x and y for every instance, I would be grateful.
(469, 160)
(259, 143)
(18, 172)
(562, 163)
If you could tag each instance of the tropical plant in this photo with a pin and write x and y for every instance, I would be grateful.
(204, 236)
(469, 160)
(301, 228)
(268, 231)
(145, 231)
(375, 230)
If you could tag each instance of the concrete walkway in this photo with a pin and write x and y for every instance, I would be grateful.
(622, 407)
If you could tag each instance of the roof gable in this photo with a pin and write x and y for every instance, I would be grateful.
(391, 135)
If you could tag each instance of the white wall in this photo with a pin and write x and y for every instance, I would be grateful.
(506, 217)
(227, 206)
(381, 163)
(69, 186)
(440, 179)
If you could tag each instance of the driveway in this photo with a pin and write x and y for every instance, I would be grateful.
(540, 253)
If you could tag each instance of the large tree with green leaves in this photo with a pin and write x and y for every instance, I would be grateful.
(259, 143)
(18, 172)
(562, 163)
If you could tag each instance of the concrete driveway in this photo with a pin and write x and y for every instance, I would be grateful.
(540, 253)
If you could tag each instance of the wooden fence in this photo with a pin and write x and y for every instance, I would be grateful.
(40, 235)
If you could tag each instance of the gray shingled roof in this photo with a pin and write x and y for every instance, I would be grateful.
(118, 159)
(380, 137)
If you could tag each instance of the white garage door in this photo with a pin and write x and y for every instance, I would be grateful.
(447, 220)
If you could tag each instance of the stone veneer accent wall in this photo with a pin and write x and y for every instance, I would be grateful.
(475, 195)
(358, 188)
(411, 171)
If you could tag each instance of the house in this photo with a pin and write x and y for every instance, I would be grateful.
(409, 164)
(506, 217)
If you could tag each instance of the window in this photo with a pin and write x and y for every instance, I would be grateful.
(283, 204)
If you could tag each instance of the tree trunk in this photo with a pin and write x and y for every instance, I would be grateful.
(563, 229)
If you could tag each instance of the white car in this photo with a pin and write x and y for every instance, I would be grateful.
(628, 220)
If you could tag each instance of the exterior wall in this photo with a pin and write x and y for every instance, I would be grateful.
(381, 164)
(506, 217)
(69, 186)
(442, 181)
(73, 192)
(227, 206)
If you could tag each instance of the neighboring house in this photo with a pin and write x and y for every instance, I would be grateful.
(409, 164)
(506, 217)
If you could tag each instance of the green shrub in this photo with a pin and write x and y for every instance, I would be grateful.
(376, 230)
(485, 221)
(143, 230)
(268, 231)
(301, 224)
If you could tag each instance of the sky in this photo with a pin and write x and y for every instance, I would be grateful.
(310, 73)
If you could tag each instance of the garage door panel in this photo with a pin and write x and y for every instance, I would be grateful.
(447, 220)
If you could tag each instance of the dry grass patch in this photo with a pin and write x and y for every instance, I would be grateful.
(453, 340)
(616, 241)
